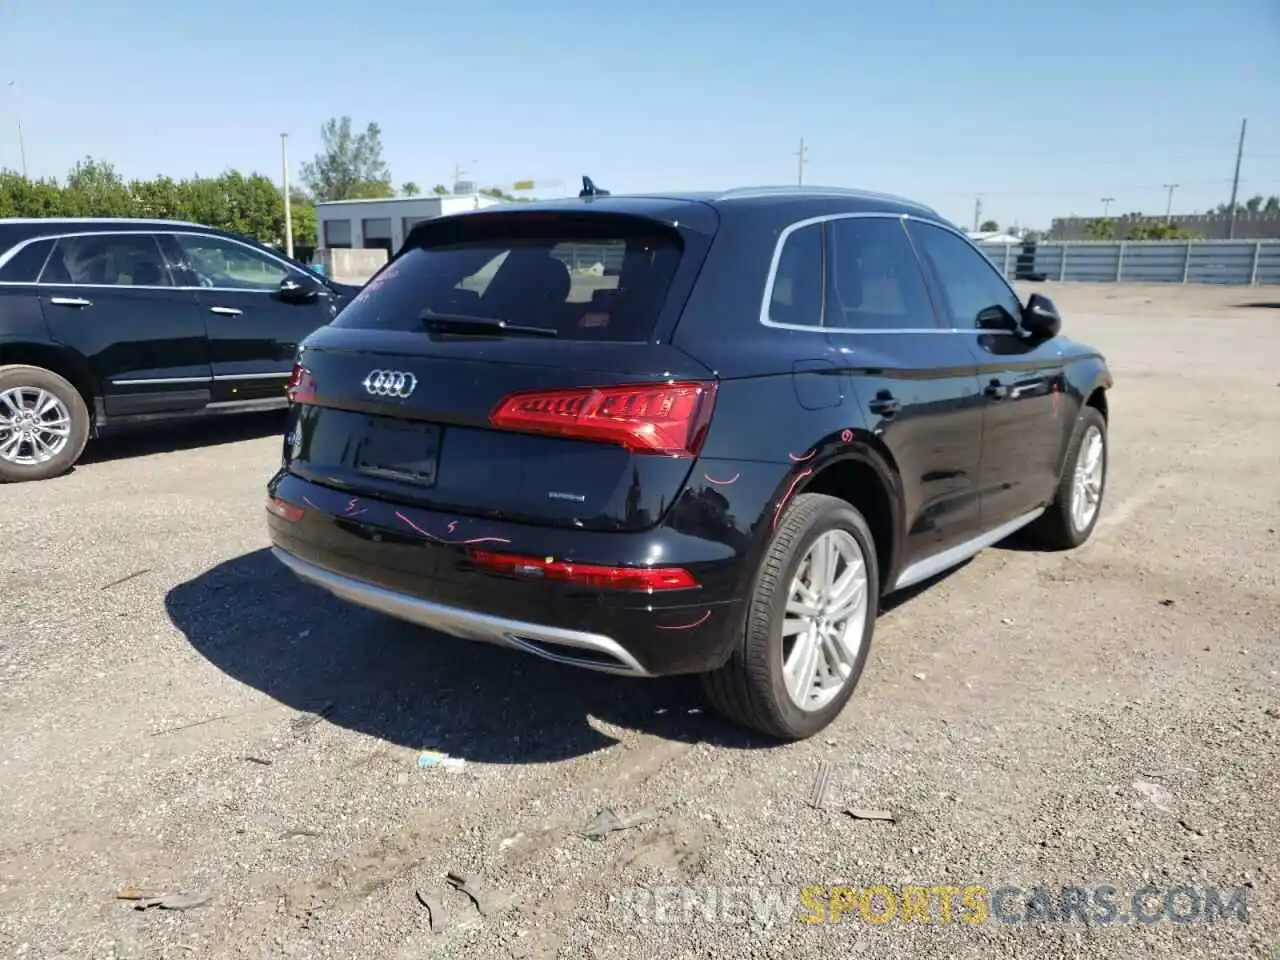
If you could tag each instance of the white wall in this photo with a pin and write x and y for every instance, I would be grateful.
(397, 209)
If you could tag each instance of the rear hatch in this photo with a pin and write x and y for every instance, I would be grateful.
(513, 365)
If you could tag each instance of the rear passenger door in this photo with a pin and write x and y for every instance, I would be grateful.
(1022, 380)
(915, 381)
(110, 297)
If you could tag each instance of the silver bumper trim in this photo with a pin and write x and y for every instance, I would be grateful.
(549, 643)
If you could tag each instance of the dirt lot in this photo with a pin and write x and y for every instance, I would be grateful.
(1104, 717)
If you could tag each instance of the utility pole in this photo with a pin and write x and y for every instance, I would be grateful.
(1106, 205)
(1168, 207)
(802, 155)
(288, 205)
(1235, 181)
(977, 212)
(17, 112)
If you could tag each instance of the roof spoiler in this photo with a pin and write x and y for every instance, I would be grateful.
(589, 189)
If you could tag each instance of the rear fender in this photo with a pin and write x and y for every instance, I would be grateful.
(61, 360)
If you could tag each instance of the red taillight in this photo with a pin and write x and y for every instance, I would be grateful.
(647, 579)
(666, 418)
(302, 385)
(284, 509)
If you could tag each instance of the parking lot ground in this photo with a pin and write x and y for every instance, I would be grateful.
(180, 715)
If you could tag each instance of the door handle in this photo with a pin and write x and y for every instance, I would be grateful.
(996, 390)
(885, 405)
(226, 311)
(70, 302)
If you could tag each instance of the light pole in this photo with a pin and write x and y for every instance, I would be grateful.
(288, 207)
(1106, 205)
(17, 112)
(1168, 207)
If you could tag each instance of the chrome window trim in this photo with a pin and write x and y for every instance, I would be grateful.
(901, 218)
(55, 237)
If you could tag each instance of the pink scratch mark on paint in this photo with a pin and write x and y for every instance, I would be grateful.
(688, 626)
(307, 500)
(415, 526)
(808, 456)
(787, 496)
(724, 483)
(468, 542)
(846, 436)
(351, 504)
(453, 525)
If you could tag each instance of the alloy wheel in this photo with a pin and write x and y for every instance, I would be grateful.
(35, 426)
(1086, 488)
(825, 620)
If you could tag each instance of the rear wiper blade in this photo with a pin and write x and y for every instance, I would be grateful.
(481, 326)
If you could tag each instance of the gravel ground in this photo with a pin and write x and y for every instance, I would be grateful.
(180, 715)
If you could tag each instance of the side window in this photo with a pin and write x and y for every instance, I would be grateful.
(221, 263)
(25, 265)
(969, 281)
(797, 284)
(874, 278)
(120, 260)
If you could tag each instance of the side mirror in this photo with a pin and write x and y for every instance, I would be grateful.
(294, 290)
(997, 318)
(1040, 318)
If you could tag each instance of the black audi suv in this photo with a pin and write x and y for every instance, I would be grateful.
(699, 433)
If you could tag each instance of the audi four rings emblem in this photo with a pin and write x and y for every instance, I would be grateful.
(390, 383)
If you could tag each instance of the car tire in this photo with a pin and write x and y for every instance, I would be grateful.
(1068, 523)
(21, 388)
(752, 688)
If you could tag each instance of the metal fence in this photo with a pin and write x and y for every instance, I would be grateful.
(1245, 262)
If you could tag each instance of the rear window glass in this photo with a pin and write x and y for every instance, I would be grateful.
(589, 278)
(24, 266)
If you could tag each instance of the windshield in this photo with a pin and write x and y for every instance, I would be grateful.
(585, 281)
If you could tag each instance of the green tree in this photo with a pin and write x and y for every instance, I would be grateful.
(410, 189)
(349, 165)
(94, 189)
(303, 213)
(440, 190)
(1160, 231)
(20, 197)
(989, 226)
(1100, 229)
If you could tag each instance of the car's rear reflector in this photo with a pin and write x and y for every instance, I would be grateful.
(662, 418)
(284, 509)
(647, 579)
(302, 385)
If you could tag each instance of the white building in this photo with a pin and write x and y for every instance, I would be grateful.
(383, 224)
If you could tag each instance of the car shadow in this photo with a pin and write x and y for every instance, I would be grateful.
(402, 684)
(255, 621)
(171, 437)
(1261, 305)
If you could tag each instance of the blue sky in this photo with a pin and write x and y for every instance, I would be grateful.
(1043, 108)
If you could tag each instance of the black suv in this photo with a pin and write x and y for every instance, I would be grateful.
(108, 323)
(702, 433)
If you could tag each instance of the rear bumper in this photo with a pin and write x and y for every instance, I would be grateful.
(414, 565)
(575, 647)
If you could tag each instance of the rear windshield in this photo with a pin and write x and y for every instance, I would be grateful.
(588, 278)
